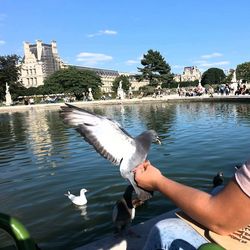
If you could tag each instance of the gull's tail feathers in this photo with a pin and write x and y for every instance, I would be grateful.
(68, 194)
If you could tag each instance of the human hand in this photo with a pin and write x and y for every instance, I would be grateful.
(147, 176)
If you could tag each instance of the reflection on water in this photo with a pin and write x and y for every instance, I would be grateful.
(41, 158)
(83, 211)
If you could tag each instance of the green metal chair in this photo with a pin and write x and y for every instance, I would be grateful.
(18, 232)
(210, 246)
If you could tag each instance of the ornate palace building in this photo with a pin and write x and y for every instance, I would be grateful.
(191, 73)
(41, 60)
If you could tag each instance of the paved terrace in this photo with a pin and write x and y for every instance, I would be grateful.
(110, 242)
(169, 98)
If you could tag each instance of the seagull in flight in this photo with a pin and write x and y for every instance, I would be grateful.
(112, 142)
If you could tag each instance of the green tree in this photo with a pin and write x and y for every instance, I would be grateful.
(124, 80)
(213, 76)
(73, 80)
(155, 69)
(9, 73)
(243, 71)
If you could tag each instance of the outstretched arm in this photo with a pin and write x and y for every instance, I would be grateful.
(223, 213)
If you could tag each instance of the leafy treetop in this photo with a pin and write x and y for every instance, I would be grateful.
(243, 71)
(155, 69)
(213, 76)
(73, 80)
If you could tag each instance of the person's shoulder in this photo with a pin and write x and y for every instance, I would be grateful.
(242, 177)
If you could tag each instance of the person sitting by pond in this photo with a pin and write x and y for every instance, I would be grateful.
(244, 89)
(222, 213)
(241, 90)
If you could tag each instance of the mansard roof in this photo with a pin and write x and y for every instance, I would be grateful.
(101, 72)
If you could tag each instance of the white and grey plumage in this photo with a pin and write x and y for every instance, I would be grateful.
(124, 210)
(78, 200)
(111, 141)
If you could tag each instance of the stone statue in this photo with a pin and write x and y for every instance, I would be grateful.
(7, 88)
(8, 99)
(234, 83)
(90, 95)
(83, 96)
(199, 84)
(130, 93)
(234, 77)
(120, 85)
(120, 92)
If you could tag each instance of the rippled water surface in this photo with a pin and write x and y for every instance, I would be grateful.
(41, 158)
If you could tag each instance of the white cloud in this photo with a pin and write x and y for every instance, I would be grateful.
(207, 61)
(108, 32)
(92, 58)
(178, 67)
(200, 61)
(212, 64)
(103, 32)
(134, 61)
(131, 62)
(212, 55)
(2, 42)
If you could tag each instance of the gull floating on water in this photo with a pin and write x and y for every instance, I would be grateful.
(112, 142)
(78, 200)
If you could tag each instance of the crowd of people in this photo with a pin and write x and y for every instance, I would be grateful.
(223, 89)
(233, 89)
(195, 91)
(242, 90)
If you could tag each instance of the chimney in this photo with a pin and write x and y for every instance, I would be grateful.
(39, 49)
(54, 47)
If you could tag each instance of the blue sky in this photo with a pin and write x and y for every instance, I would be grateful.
(114, 34)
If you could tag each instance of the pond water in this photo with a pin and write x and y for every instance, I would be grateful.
(41, 158)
